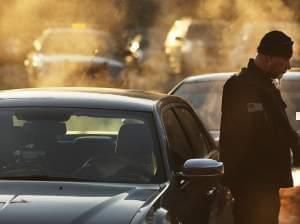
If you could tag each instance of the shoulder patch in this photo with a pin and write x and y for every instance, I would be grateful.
(254, 107)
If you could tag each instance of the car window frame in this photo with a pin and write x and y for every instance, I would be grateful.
(201, 128)
(170, 106)
(170, 152)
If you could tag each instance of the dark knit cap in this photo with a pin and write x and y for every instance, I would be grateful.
(276, 43)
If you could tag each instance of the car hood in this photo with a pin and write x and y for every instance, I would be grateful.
(74, 58)
(30, 202)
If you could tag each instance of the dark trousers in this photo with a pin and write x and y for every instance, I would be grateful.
(256, 205)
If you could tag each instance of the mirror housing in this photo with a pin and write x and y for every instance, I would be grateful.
(203, 168)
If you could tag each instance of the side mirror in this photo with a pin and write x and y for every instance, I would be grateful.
(202, 168)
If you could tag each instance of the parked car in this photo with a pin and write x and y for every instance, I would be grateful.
(91, 155)
(194, 46)
(73, 56)
(204, 92)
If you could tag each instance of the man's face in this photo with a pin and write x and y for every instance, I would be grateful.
(278, 66)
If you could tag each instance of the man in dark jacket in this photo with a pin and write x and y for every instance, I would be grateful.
(256, 136)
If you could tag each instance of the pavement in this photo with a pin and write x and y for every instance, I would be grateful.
(290, 201)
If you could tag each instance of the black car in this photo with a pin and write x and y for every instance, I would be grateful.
(194, 46)
(90, 155)
(74, 56)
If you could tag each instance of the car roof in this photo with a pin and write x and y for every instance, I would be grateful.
(209, 77)
(290, 75)
(82, 97)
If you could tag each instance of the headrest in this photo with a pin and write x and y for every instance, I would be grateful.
(134, 139)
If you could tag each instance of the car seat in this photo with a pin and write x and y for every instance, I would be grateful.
(135, 146)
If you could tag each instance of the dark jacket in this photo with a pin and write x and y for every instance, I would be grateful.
(256, 136)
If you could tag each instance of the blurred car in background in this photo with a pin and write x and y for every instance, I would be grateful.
(13, 51)
(204, 92)
(134, 54)
(92, 155)
(75, 55)
(194, 46)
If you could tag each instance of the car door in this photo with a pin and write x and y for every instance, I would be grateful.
(190, 201)
(201, 142)
(218, 196)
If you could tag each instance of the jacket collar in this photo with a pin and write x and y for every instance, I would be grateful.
(257, 75)
(256, 71)
(261, 79)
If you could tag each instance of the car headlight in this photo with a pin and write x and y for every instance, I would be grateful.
(36, 61)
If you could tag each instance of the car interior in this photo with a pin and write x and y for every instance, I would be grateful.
(41, 144)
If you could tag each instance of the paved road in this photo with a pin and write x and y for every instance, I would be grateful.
(290, 201)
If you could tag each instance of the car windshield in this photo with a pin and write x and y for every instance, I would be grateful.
(290, 93)
(206, 98)
(81, 145)
(81, 42)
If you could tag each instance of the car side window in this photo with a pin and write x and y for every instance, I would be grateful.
(193, 131)
(179, 145)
